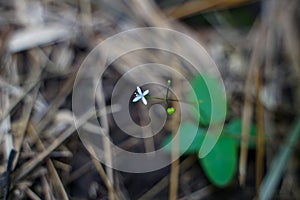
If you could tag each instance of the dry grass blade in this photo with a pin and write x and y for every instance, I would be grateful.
(14, 103)
(148, 140)
(260, 145)
(248, 109)
(109, 186)
(5, 123)
(86, 14)
(199, 194)
(79, 172)
(174, 176)
(33, 37)
(194, 7)
(43, 44)
(21, 128)
(246, 121)
(58, 186)
(46, 188)
(31, 194)
(27, 167)
(60, 98)
(292, 40)
(107, 144)
(156, 189)
(163, 183)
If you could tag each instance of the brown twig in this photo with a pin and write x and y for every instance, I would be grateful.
(27, 167)
(19, 133)
(194, 7)
(60, 98)
(260, 146)
(163, 183)
(106, 142)
(174, 176)
(56, 182)
(248, 109)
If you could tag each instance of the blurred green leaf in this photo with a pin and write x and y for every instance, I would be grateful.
(221, 163)
(208, 90)
(234, 129)
(189, 133)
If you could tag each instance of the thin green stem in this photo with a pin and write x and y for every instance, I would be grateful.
(169, 99)
(167, 95)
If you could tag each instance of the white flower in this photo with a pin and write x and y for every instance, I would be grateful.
(140, 95)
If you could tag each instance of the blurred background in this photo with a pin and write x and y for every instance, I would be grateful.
(255, 45)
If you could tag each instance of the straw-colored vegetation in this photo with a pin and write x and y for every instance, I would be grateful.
(255, 45)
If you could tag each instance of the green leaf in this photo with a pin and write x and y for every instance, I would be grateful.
(221, 163)
(234, 129)
(190, 138)
(209, 91)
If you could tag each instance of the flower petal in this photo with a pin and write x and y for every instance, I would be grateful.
(137, 98)
(139, 90)
(144, 100)
(145, 92)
